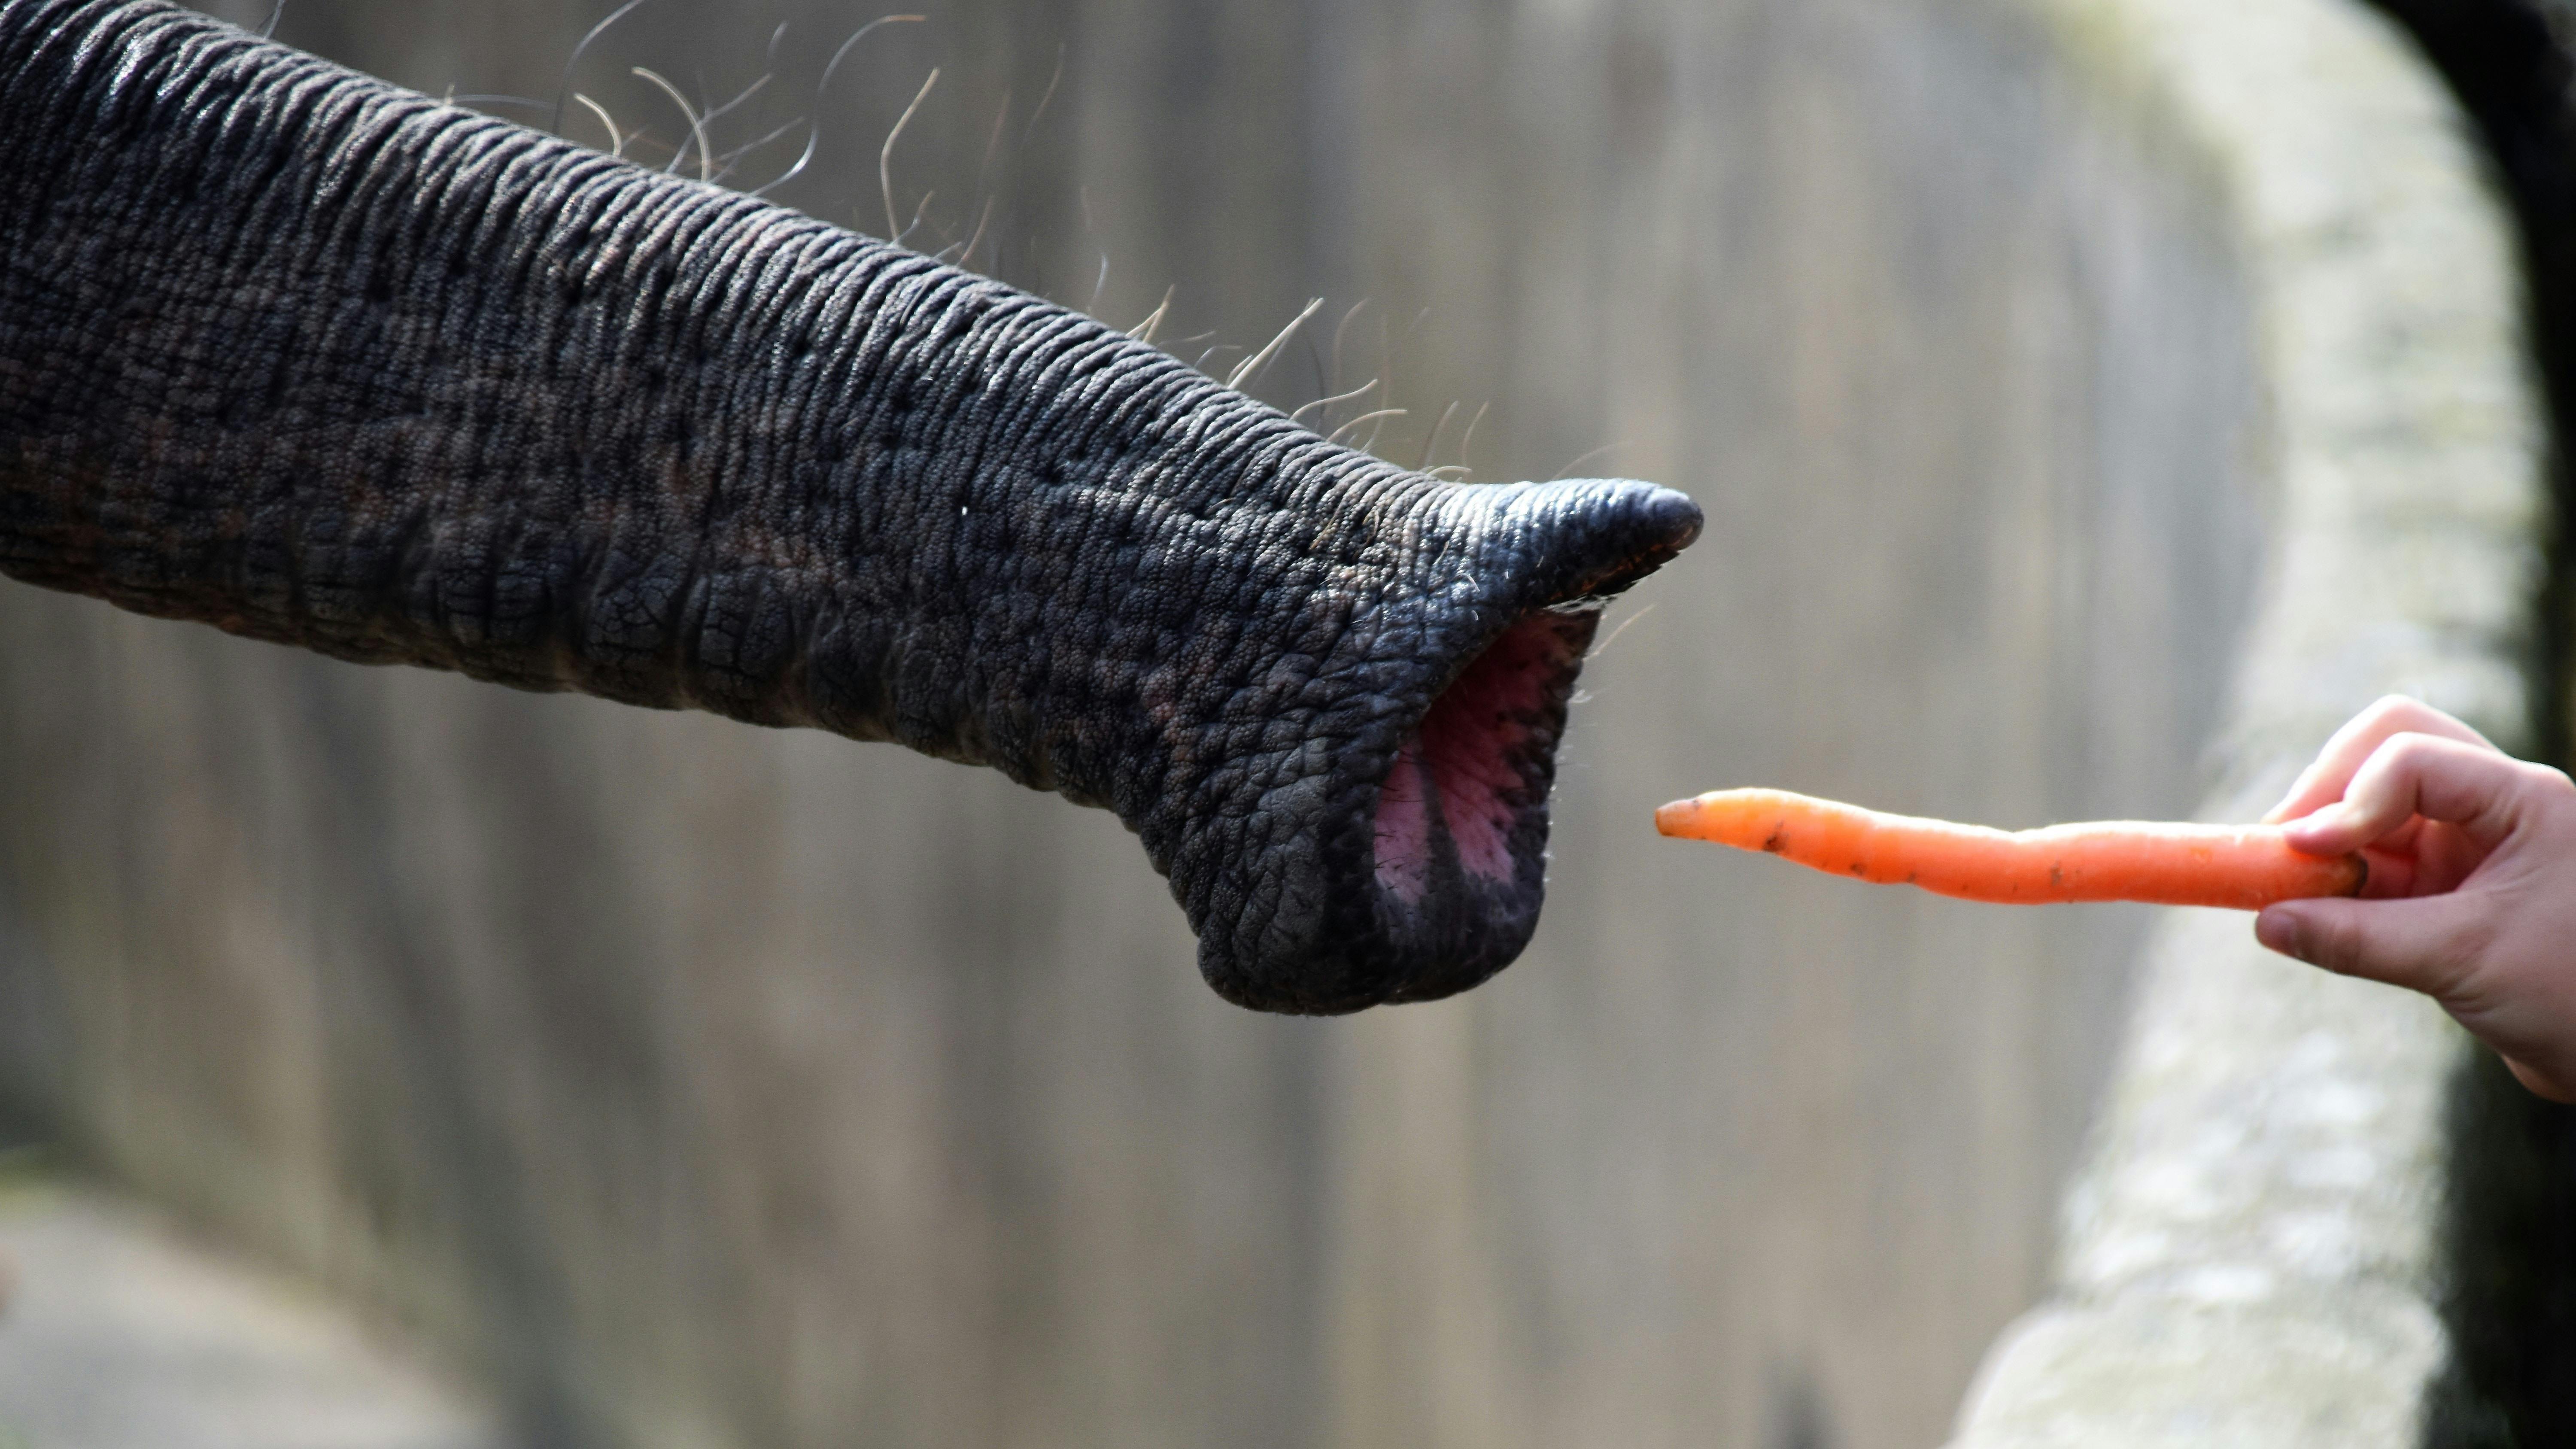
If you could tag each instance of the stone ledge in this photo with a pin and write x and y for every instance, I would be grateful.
(2252, 1253)
(121, 1332)
(2292, 1373)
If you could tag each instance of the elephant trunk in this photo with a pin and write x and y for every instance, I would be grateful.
(320, 361)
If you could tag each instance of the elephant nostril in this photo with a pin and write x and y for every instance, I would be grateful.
(1433, 879)
(1475, 763)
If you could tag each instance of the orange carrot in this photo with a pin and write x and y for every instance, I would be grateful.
(2243, 867)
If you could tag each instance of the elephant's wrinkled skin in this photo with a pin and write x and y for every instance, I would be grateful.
(317, 360)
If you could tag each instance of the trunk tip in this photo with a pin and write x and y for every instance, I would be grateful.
(1600, 536)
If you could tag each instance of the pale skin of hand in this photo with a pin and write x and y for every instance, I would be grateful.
(2472, 891)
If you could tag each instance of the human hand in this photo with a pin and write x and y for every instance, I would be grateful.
(2472, 891)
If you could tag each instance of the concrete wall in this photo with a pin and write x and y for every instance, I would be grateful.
(702, 1086)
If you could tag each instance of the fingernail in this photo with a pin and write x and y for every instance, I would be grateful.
(2278, 930)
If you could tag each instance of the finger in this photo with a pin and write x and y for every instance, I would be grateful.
(2323, 782)
(2471, 786)
(2557, 1088)
(2425, 944)
(2393, 873)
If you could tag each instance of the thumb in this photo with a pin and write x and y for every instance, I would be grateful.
(2424, 944)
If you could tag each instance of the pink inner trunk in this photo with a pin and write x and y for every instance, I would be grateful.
(1462, 764)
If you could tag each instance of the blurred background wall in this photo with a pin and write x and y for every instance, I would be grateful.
(697, 1085)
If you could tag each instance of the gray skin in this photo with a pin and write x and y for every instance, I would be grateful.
(313, 359)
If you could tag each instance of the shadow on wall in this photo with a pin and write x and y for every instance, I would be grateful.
(2511, 1306)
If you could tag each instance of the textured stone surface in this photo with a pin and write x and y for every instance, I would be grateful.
(2284, 1372)
(2251, 1254)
